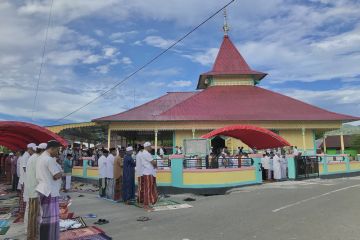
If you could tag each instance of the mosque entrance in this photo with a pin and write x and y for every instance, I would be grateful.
(217, 143)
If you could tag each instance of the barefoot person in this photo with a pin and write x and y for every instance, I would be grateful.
(49, 175)
(128, 183)
(33, 206)
(149, 177)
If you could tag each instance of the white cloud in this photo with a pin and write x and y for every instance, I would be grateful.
(180, 83)
(205, 58)
(99, 32)
(91, 59)
(120, 37)
(157, 41)
(109, 51)
(63, 58)
(126, 60)
(157, 84)
(103, 69)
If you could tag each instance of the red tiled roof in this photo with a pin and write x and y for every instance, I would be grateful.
(150, 110)
(221, 103)
(230, 62)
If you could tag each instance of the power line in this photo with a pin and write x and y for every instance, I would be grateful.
(147, 63)
(42, 59)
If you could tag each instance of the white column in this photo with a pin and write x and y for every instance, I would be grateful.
(324, 144)
(156, 141)
(109, 138)
(342, 143)
(303, 138)
(193, 133)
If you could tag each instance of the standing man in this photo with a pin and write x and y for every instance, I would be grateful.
(277, 167)
(67, 171)
(110, 174)
(31, 147)
(33, 206)
(128, 184)
(102, 172)
(139, 175)
(118, 175)
(149, 177)
(49, 175)
(15, 179)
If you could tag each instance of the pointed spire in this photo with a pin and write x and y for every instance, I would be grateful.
(226, 26)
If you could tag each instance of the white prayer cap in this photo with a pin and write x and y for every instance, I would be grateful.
(32, 145)
(42, 146)
(11, 154)
(130, 148)
(147, 144)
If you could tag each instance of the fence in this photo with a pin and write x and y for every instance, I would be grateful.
(216, 162)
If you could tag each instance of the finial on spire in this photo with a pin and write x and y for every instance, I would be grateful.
(226, 26)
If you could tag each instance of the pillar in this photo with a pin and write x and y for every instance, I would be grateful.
(109, 137)
(303, 131)
(324, 144)
(193, 133)
(232, 145)
(156, 141)
(342, 143)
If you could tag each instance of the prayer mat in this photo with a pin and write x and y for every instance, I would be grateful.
(3, 230)
(8, 196)
(4, 223)
(5, 216)
(160, 203)
(172, 207)
(82, 233)
(5, 210)
(100, 236)
(19, 219)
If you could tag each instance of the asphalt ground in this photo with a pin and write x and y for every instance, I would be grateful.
(311, 209)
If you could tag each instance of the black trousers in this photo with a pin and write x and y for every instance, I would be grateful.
(14, 180)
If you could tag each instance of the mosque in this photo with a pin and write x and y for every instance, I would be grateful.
(228, 94)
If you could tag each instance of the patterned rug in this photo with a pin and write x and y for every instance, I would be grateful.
(161, 203)
(3, 230)
(82, 233)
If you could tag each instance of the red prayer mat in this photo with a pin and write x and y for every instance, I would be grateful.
(79, 233)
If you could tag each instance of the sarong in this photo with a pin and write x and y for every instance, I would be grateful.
(33, 219)
(22, 204)
(67, 182)
(109, 188)
(49, 227)
(117, 189)
(150, 191)
(140, 190)
(102, 187)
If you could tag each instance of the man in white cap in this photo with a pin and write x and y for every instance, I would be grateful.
(31, 196)
(110, 159)
(149, 177)
(128, 183)
(102, 172)
(31, 148)
(48, 175)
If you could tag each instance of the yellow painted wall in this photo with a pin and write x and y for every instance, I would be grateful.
(321, 168)
(92, 172)
(294, 137)
(163, 177)
(77, 171)
(337, 167)
(180, 135)
(354, 165)
(218, 177)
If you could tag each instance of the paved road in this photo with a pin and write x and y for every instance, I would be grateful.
(314, 209)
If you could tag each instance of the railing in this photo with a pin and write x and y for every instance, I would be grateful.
(163, 163)
(216, 162)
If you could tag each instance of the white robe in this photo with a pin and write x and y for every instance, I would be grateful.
(277, 167)
(283, 167)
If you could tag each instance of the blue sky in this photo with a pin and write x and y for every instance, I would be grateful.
(309, 48)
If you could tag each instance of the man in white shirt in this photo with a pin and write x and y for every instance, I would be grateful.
(295, 151)
(31, 147)
(263, 170)
(102, 172)
(110, 174)
(31, 196)
(48, 175)
(277, 167)
(139, 175)
(149, 177)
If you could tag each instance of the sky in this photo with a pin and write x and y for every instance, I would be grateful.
(310, 49)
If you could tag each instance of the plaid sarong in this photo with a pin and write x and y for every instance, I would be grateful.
(22, 204)
(150, 191)
(117, 189)
(109, 188)
(33, 219)
(49, 227)
(140, 189)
